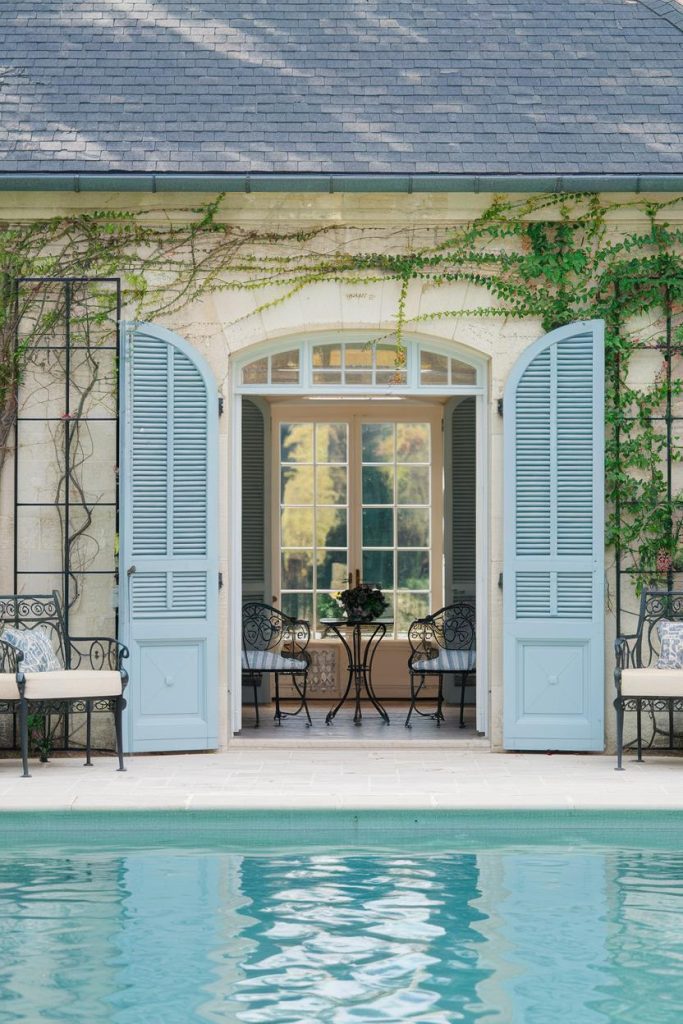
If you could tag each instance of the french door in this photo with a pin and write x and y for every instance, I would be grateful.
(357, 492)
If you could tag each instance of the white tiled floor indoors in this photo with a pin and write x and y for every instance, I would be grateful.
(373, 729)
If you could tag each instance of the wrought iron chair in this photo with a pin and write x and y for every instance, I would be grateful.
(640, 685)
(442, 644)
(273, 642)
(92, 679)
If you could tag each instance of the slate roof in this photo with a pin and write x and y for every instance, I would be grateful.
(403, 86)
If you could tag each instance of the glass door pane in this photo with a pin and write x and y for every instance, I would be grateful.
(314, 485)
(356, 494)
(396, 516)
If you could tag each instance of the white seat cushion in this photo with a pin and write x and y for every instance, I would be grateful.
(448, 661)
(270, 661)
(70, 685)
(8, 686)
(652, 682)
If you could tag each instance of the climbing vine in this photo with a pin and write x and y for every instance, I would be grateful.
(552, 258)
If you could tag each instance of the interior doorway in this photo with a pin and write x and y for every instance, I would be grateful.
(378, 483)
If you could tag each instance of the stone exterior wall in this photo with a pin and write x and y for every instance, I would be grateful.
(220, 326)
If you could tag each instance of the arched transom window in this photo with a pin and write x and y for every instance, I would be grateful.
(358, 363)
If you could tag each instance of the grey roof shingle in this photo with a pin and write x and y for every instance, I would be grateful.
(406, 86)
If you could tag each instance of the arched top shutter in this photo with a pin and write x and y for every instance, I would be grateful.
(554, 543)
(169, 542)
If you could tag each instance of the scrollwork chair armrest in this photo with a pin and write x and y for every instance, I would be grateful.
(298, 633)
(296, 637)
(98, 652)
(417, 636)
(422, 639)
(624, 651)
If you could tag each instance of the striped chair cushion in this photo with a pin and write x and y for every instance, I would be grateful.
(448, 661)
(269, 661)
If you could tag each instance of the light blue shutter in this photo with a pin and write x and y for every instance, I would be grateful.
(169, 565)
(554, 543)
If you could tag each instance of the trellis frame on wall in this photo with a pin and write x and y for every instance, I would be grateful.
(69, 422)
(628, 571)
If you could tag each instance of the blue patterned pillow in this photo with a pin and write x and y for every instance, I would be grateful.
(671, 644)
(35, 645)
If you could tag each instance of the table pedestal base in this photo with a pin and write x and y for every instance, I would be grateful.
(360, 653)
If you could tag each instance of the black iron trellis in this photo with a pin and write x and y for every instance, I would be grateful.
(668, 350)
(69, 422)
(67, 287)
(70, 426)
(674, 506)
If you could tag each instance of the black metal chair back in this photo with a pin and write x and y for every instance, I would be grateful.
(265, 628)
(655, 605)
(450, 629)
(453, 628)
(24, 611)
(269, 631)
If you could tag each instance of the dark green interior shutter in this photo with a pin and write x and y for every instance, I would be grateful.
(254, 517)
(461, 499)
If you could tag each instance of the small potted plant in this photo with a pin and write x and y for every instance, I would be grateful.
(362, 603)
(40, 737)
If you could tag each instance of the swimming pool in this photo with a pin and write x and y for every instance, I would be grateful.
(297, 918)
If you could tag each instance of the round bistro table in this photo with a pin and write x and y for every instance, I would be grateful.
(360, 640)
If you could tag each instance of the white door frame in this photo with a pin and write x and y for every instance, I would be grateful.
(482, 492)
(234, 478)
(234, 518)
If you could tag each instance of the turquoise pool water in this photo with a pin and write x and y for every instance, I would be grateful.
(348, 919)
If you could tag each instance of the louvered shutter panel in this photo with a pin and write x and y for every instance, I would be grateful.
(554, 543)
(462, 494)
(169, 543)
(254, 574)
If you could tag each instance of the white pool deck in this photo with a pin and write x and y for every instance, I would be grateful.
(346, 776)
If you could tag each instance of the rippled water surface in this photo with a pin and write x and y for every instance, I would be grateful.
(520, 936)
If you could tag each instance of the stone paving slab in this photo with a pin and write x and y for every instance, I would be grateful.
(346, 778)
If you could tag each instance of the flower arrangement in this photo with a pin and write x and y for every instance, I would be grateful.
(363, 602)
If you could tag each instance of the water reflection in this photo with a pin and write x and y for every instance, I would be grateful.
(545, 919)
(362, 938)
(526, 936)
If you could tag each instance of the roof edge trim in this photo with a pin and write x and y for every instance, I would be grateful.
(120, 181)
